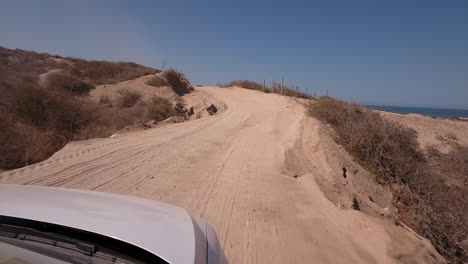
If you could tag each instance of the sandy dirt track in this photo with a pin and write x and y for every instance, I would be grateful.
(231, 170)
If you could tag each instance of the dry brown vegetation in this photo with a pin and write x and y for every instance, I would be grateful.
(173, 79)
(127, 98)
(37, 121)
(425, 200)
(156, 81)
(68, 83)
(104, 72)
(274, 88)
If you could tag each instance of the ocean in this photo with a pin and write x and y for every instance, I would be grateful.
(422, 110)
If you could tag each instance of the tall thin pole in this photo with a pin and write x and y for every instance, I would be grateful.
(282, 85)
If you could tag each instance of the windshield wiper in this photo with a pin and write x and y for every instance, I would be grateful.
(46, 238)
(16, 235)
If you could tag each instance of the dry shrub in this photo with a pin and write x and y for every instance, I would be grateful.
(23, 144)
(24, 62)
(158, 108)
(386, 148)
(177, 81)
(69, 83)
(425, 201)
(156, 81)
(245, 84)
(107, 120)
(127, 98)
(104, 72)
(105, 100)
(275, 88)
(36, 122)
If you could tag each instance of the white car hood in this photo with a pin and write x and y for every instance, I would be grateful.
(159, 228)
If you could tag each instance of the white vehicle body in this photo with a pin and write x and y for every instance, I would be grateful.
(161, 229)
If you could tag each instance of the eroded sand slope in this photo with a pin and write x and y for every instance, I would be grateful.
(251, 172)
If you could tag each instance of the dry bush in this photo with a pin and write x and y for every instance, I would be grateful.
(425, 202)
(158, 108)
(36, 122)
(106, 121)
(25, 62)
(245, 84)
(103, 72)
(23, 144)
(386, 148)
(156, 81)
(177, 81)
(68, 83)
(105, 100)
(127, 98)
(274, 89)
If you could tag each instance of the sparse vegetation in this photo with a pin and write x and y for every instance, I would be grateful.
(68, 83)
(156, 81)
(180, 85)
(275, 88)
(174, 79)
(37, 121)
(127, 98)
(425, 201)
(104, 72)
(158, 108)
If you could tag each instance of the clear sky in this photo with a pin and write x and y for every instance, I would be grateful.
(408, 53)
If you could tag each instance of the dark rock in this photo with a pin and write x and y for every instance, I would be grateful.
(212, 109)
(356, 204)
(344, 171)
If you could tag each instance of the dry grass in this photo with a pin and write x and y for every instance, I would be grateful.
(178, 82)
(35, 122)
(156, 81)
(275, 88)
(386, 148)
(69, 83)
(103, 72)
(108, 120)
(247, 85)
(158, 108)
(127, 98)
(425, 201)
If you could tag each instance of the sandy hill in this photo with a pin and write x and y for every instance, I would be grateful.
(48, 100)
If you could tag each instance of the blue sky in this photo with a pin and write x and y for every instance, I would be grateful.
(408, 53)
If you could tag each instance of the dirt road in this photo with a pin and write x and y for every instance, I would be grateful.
(230, 169)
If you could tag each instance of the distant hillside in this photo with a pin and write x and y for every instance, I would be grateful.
(45, 102)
